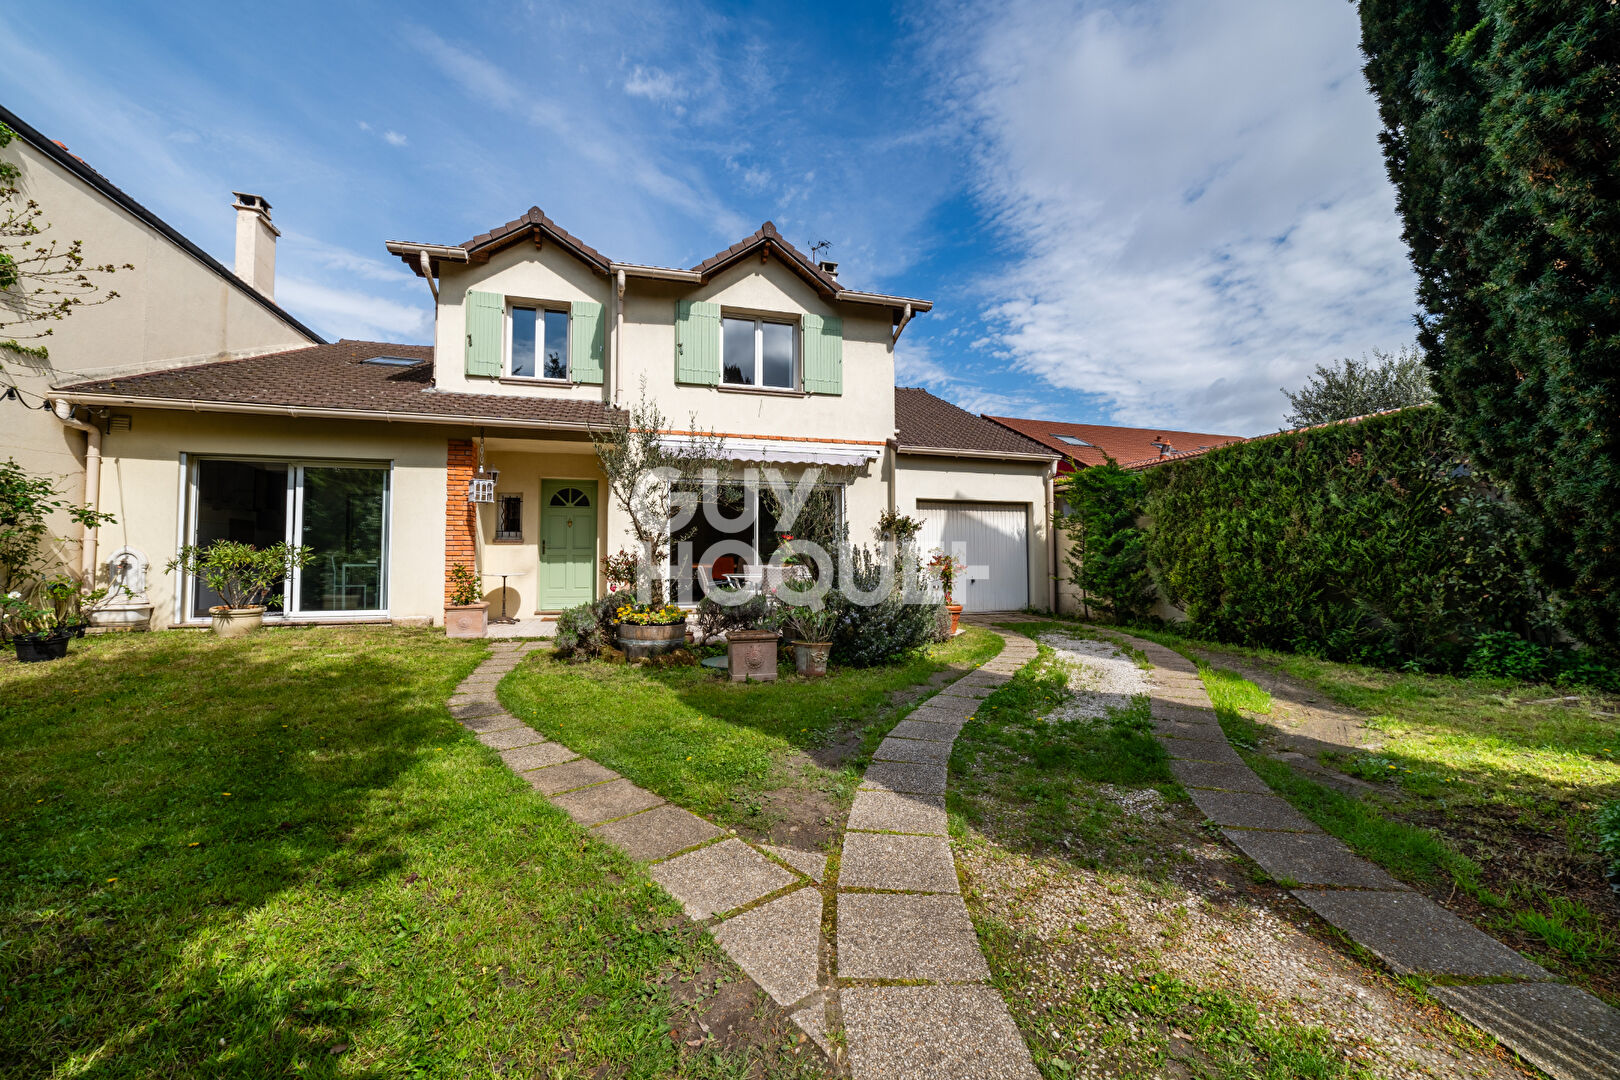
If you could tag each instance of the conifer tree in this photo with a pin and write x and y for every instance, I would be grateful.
(1501, 132)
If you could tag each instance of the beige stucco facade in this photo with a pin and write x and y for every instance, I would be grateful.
(931, 478)
(171, 310)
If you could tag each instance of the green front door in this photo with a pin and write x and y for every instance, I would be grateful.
(567, 543)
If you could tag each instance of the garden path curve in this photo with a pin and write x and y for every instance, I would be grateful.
(899, 911)
(1561, 1029)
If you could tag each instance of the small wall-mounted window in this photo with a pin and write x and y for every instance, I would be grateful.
(757, 352)
(509, 518)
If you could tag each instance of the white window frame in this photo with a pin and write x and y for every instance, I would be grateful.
(191, 465)
(541, 309)
(759, 322)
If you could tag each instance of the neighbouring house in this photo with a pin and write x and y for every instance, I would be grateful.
(1092, 444)
(178, 306)
(1084, 445)
(365, 451)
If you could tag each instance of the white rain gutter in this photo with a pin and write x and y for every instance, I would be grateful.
(302, 412)
(898, 330)
(1052, 538)
(63, 411)
(998, 455)
(618, 333)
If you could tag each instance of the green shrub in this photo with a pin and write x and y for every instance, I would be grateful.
(1375, 541)
(714, 618)
(1607, 825)
(583, 632)
(870, 634)
(1107, 559)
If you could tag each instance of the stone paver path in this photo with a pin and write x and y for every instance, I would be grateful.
(900, 914)
(1563, 1030)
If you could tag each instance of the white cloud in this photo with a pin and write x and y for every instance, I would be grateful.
(394, 138)
(654, 84)
(340, 312)
(1191, 195)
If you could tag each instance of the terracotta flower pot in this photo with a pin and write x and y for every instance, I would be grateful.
(236, 622)
(640, 642)
(466, 620)
(956, 616)
(810, 657)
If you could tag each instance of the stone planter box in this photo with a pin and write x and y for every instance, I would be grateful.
(466, 620)
(640, 642)
(751, 655)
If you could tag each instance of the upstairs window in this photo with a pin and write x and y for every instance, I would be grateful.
(758, 352)
(537, 342)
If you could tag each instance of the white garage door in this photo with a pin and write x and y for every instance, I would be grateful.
(993, 540)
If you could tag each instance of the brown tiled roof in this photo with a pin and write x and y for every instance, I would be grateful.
(926, 422)
(767, 236)
(1130, 446)
(536, 220)
(337, 377)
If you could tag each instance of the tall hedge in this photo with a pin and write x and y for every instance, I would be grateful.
(1373, 541)
(1502, 137)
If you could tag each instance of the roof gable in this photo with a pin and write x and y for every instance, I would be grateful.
(767, 241)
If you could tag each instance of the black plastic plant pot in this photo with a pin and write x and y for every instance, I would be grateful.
(34, 648)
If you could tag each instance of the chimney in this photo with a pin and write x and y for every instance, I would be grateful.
(255, 243)
(829, 268)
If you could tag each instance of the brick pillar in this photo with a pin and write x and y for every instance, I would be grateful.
(460, 516)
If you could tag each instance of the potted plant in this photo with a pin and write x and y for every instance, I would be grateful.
(34, 632)
(650, 629)
(467, 613)
(68, 598)
(944, 567)
(810, 631)
(243, 576)
(620, 571)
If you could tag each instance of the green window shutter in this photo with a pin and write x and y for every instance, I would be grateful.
(586, 332)
(823, 354)
(697, 342)
(486, 331)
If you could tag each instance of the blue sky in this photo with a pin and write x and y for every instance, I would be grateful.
(1142, 212)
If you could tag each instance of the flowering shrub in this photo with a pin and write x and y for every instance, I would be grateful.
(620, 570)
(944, 567)
(650, 614)
(463, 586)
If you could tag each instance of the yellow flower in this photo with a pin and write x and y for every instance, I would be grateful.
(226, 794)
(111, 880)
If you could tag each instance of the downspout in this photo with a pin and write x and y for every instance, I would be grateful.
(898, 330)
(63, 411)
(1052, 539)
(618, 335)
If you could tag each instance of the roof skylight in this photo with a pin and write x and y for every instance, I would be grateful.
(391, 361)
(1070, 439)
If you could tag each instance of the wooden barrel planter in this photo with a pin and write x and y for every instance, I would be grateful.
(639, 642)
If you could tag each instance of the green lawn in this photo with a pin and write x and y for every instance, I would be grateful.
(720, 748)
(1055, 792)
(1033, 782)
(281, 856)
(1484, 793)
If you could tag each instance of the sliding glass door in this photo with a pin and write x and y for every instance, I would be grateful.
(341, 516)
(339, 510)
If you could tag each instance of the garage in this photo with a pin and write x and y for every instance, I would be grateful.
(994, 544)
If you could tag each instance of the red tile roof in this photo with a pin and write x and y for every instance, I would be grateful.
(338, 378)
(1131, 447)
(926, 422)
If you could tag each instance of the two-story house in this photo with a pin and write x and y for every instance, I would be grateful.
(366, 451)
